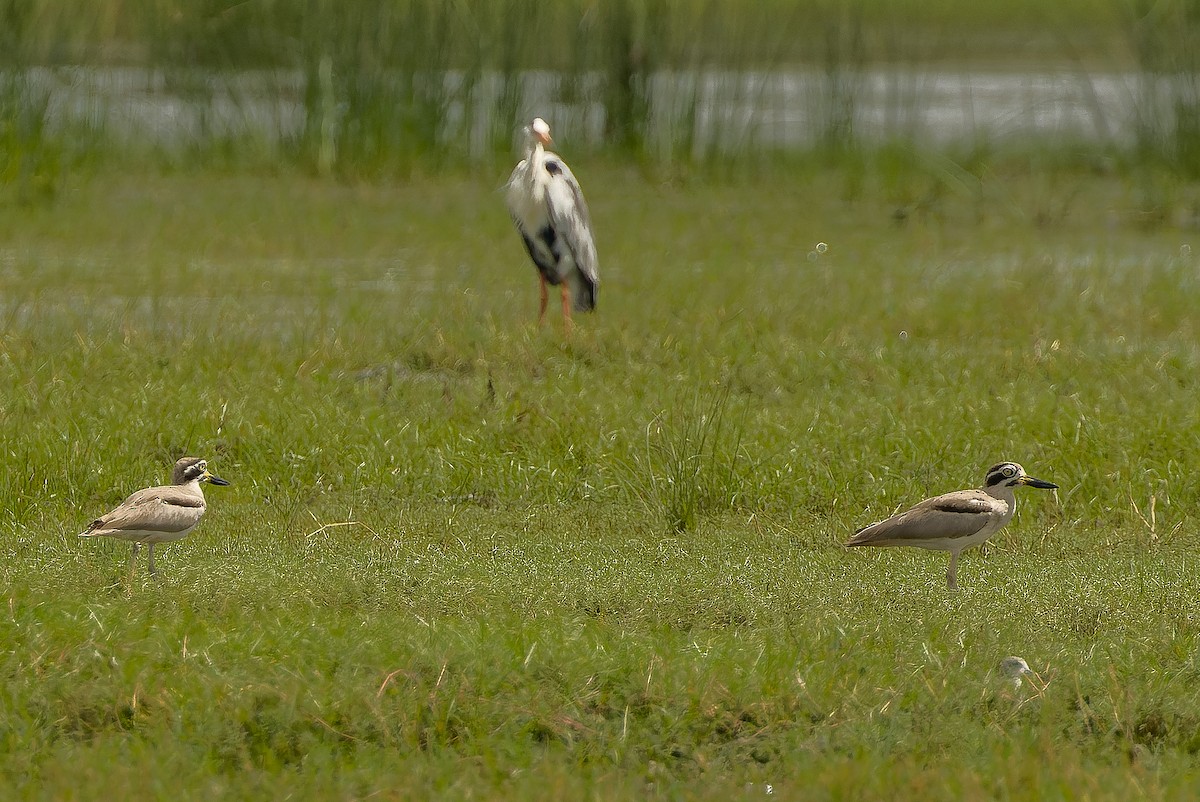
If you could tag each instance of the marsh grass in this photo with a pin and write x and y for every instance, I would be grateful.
(690, 465)
(33, 161)
(466, 556)
(1164, 41)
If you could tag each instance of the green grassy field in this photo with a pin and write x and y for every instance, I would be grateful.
(465, 558)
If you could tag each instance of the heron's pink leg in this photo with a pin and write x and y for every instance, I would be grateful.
(566, 304)
(545, 300)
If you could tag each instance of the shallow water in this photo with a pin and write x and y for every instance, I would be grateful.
(711, 110)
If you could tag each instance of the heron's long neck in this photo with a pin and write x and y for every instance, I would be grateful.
(537, 158)
(535, 163)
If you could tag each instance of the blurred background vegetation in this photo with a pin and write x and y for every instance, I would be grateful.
(362, 88)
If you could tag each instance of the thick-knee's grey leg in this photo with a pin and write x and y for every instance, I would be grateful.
(952, 574)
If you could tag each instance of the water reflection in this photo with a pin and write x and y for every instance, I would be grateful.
(709, 111)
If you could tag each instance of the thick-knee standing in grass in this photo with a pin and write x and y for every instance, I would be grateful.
(954, 521)
(159, 514)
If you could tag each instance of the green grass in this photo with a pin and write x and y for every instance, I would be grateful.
(463, 557)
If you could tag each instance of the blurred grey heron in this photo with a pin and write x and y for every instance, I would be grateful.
(547, 205)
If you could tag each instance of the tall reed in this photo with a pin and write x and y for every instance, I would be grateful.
(1165, 40)
(690, 464)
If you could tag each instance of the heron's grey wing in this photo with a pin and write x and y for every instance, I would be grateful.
(954, 515)
(538, 252)
(165, 509)
(569, 215)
